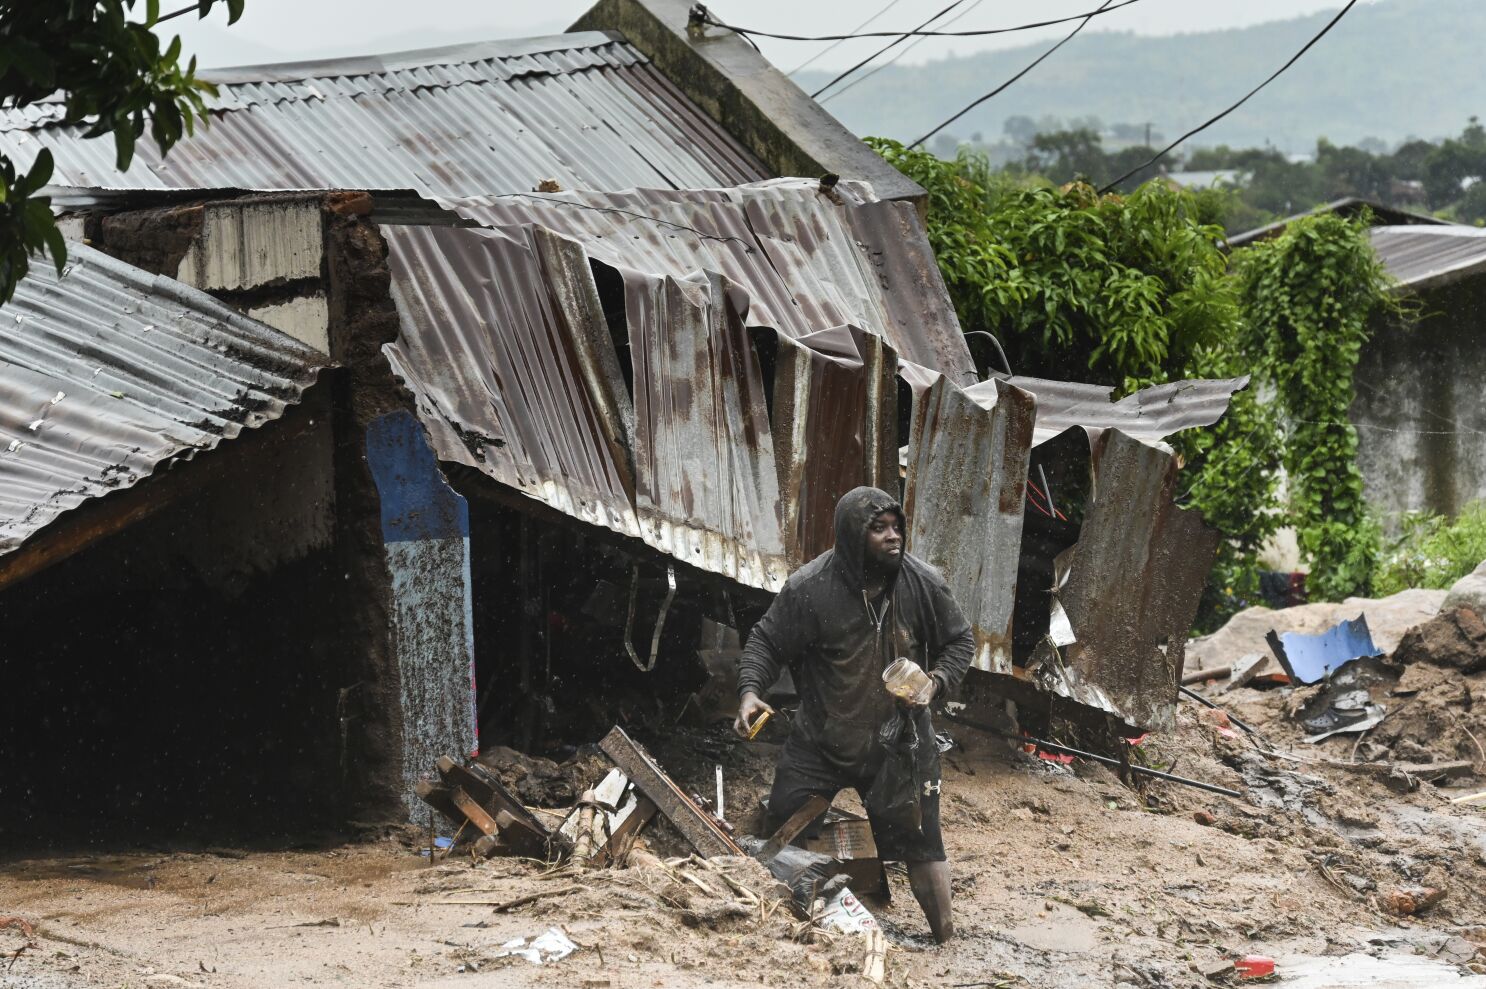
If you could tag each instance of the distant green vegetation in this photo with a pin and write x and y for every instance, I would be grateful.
(1257, 185)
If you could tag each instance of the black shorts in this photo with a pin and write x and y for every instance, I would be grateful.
(803, 772)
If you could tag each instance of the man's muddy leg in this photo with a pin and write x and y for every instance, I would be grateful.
(930, 883)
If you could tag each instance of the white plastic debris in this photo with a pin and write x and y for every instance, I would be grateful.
(845, 913)
(545, 948)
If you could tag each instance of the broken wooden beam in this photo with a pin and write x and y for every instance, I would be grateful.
(621, 813)
(695, 824)
(1202, 676)
(488, 791)
(436, 796)
(472, 811)
(790, 829)
(520, 837)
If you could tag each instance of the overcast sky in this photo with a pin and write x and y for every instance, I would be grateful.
(277, 30)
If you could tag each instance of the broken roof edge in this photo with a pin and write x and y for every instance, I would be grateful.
(746, 95)
(262, 374)
(1148, 416)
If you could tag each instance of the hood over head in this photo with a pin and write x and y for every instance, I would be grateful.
(856, 509)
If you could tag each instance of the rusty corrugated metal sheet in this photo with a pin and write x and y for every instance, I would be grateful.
(965, 497)
(809, 260)
(1133, 584)
(108, 372)
(1149, 415)
(584, 109)
(701, 454)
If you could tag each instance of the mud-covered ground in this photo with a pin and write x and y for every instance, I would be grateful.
(1064, 877)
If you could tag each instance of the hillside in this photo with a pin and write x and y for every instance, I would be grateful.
(1392, 69)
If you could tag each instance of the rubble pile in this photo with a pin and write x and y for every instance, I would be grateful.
(596, 858)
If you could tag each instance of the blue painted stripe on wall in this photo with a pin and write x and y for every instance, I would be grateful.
(417, 502)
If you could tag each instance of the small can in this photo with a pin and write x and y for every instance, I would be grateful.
(758, 724)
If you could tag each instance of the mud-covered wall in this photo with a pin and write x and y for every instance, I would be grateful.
(426, 537)
(1420, 408)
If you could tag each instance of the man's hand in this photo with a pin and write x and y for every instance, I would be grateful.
(749, 708)
(932, 693)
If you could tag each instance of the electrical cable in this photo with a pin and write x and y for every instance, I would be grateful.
(176, 13)
(887, 47)
(1204, 126)
(1008, 83)
(707, 18)
(879, 67)
(837, 44)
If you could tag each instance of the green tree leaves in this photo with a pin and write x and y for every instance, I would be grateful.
(107, 71)
(1308, 294)
(1135, 290)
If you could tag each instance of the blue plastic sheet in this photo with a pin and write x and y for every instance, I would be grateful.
(1311, 658)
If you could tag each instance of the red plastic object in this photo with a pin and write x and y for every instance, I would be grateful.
(1254, 967)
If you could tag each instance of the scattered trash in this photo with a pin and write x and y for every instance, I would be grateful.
(845, 913)
(1254, 967)
(1345, 703)
(1309, 658)
(551, 946)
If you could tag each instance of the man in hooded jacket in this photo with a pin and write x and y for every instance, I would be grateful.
(840, 620)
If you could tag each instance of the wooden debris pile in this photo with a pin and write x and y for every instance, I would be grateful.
(722, 881)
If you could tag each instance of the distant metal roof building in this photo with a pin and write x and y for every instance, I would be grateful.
(1420, 257)
(107, 373)
(1348, 206)
(585, 110)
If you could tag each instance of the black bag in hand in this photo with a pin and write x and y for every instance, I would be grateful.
(893, 797)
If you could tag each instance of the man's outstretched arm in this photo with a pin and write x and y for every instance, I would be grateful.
(772, 643)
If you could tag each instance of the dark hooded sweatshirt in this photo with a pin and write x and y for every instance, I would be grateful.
(820, 625)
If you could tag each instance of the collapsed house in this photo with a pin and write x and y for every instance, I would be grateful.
(463, 397)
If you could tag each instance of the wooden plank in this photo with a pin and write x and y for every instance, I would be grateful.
(437, 797)
(472, 810)
(488, 791)
(790, 829)
(520, 837)
(633, 811)
(1202, 676)
(695, 824)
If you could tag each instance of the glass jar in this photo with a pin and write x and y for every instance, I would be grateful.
(907, 681)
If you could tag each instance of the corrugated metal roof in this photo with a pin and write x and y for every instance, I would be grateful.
(965, 498)
(506, 346)
(584, 109)
(108, 372)
(1426, 256)
(1133, 584)
(1149, 415)
(808, 260)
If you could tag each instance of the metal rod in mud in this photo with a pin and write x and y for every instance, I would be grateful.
(1203, 700)
(1054, 747)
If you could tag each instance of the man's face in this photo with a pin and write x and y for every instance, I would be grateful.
(885, 540)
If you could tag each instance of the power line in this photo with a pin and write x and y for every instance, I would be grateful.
(1035, 62)
(878, 68)
(705, 17)
(891, 44)
(1204, 126)
(176, 13)
(837, 44)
